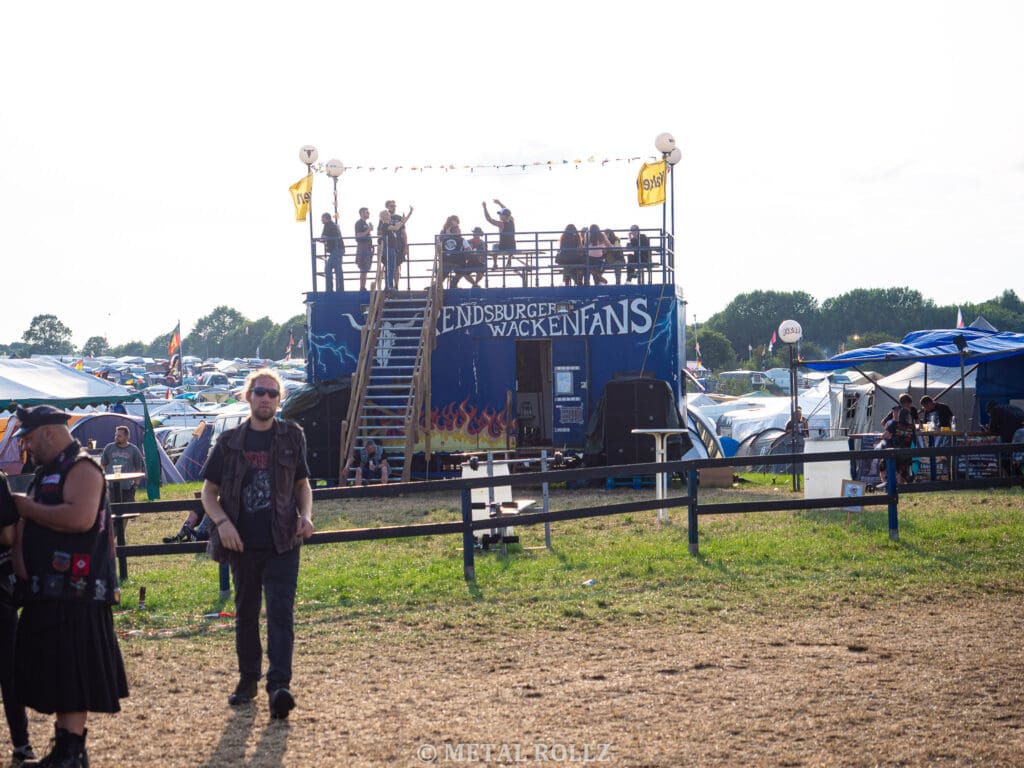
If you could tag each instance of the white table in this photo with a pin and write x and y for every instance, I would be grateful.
(112, 478)
(661, 435)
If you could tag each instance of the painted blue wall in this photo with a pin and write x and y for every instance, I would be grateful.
(594, 334)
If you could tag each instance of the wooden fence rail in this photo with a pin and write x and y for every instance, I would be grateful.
(690, 501)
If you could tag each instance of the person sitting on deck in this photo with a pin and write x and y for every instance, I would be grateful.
(570, 256)
(614, 256)
(454, 249)
(597, 247)
(639, 248)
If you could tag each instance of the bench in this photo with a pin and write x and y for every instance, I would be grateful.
(494, 503)
(522, 262)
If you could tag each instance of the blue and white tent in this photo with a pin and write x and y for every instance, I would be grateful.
(995, 357)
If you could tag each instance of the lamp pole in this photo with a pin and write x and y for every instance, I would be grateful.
(665, 143)
(308, 155)
(672, 158)
(790, 332)
(334, 169)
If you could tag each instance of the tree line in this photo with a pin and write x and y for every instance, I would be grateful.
(739, 336)
(224, 332)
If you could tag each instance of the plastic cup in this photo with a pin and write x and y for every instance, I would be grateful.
(117, 470)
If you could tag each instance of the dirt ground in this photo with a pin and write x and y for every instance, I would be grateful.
(926, 683)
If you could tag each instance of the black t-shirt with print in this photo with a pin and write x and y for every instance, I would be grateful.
(254, 516)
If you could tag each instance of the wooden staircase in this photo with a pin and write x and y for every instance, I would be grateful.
(391, 383)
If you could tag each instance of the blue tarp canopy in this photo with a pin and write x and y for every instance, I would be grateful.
(938, 347)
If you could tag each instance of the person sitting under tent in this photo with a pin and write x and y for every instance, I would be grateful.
(937, 414)
(805, 430)
(900, 433)
(1003, 420)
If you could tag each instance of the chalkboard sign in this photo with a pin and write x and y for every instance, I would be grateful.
(981, 464)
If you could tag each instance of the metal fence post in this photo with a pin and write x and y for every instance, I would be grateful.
(546, 496)
(890, 488)
(468, 569)
(691, 515)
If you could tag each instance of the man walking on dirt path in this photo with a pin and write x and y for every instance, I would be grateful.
(257, 495)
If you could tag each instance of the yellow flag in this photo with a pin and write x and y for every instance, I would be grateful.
(650, 184)
(302, 195)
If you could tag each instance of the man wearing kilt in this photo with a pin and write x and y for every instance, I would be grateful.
(68, 659)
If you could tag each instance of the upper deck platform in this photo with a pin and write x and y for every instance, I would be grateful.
(535, 263)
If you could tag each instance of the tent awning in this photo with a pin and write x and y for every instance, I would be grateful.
(938, 347)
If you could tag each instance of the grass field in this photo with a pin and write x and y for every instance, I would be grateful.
(752, 564)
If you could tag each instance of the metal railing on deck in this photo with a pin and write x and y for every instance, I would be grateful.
(533, 264)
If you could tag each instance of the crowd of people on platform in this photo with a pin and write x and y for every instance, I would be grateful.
(586, 254)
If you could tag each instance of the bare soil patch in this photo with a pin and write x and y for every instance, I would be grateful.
(919, 683)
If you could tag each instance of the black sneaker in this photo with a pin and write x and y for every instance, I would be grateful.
(245, 692)
(22, 753)
(185, 534)
(281, 703)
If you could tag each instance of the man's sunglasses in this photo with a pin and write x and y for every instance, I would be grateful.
(264, 392)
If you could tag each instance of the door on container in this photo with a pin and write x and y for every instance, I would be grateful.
(533, 392)
(570, 371)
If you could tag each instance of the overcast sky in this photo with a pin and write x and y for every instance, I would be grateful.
(146, 149)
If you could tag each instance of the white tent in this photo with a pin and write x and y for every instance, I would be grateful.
(42, 380)
(919, 379)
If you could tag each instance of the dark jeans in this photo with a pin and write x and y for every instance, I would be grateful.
(390, 268)
(332, 274)
(257, 573)
(17, 722)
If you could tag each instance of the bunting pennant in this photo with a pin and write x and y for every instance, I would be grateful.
(959, 318)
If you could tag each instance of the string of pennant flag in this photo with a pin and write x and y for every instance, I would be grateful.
(472, 167)
(650, 182)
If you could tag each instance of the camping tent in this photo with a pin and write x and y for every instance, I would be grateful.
(752, 415)
(34, 381)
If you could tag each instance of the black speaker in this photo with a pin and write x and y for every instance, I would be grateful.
(320, 411)
(638, 404)
(632, 404)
